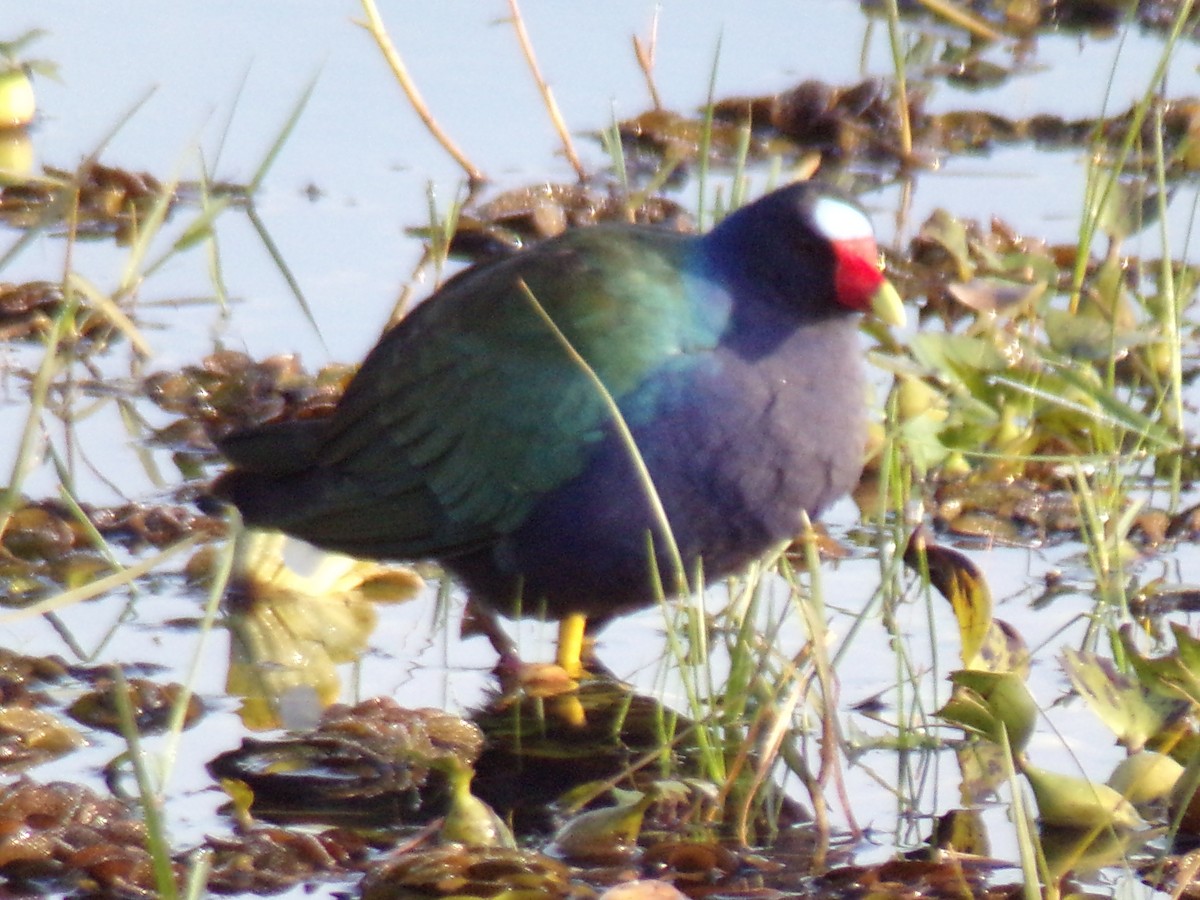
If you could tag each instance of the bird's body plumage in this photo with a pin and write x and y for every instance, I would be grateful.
(472, 436)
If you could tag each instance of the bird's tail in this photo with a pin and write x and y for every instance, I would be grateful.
(268, 462)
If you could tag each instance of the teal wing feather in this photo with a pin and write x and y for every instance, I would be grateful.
(462, 417)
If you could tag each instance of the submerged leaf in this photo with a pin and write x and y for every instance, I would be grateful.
(603, 834)
(1129, 708)
(987, 644)
(1080, 850)
(993, 704)
(959, 581)
(470, 821)
(996, 295)
(1145, 777)
(1175, 675)
(1067, 801)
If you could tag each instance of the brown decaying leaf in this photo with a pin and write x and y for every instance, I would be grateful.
(152, 704)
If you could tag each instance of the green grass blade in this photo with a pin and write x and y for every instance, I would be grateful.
(101, 585)
(1111, 411)
(284, 270)
(647, 483)
(157, 842)
(280, 139)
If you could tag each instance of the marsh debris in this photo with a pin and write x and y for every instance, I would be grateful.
(72, 838)
(372, 763)
(30, 736)
(268, 860)
(453, 871)
(49, 546)
(510, 220)
(48, 529)
(1029, 17)
(152, 705)
(861, 124)
(228, 391)
(98, 201)
(859, 121)
(26, 310)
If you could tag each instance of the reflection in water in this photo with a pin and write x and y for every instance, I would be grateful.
(293, 620)
(533, 758)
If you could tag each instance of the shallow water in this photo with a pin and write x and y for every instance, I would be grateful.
(222, 78)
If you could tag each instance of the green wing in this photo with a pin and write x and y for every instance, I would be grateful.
(464, 415)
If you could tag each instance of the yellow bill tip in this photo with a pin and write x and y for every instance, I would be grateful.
(887, 306)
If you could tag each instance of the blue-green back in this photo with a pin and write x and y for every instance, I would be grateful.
(514, 415)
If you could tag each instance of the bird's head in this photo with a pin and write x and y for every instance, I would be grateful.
(816, 245)
(858, 282)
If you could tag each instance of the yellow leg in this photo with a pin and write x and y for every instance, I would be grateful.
(570, 643)
(568, 710)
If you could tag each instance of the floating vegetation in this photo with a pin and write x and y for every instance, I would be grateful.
(228, 391)
(856, 122)
(99, 201)
(860, 124)
(67, 835)
(373, 763)
(153, 705)
(469, 872)
(507, 222)
(1032, 17)
(1045, 403)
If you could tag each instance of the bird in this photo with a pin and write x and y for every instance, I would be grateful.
(582, 427)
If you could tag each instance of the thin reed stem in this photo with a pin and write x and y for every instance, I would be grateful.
(374, 25)
(544, 89)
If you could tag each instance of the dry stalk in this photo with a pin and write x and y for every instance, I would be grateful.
(962, 18)
(378, 31)
(645, 59)
(547, 95)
